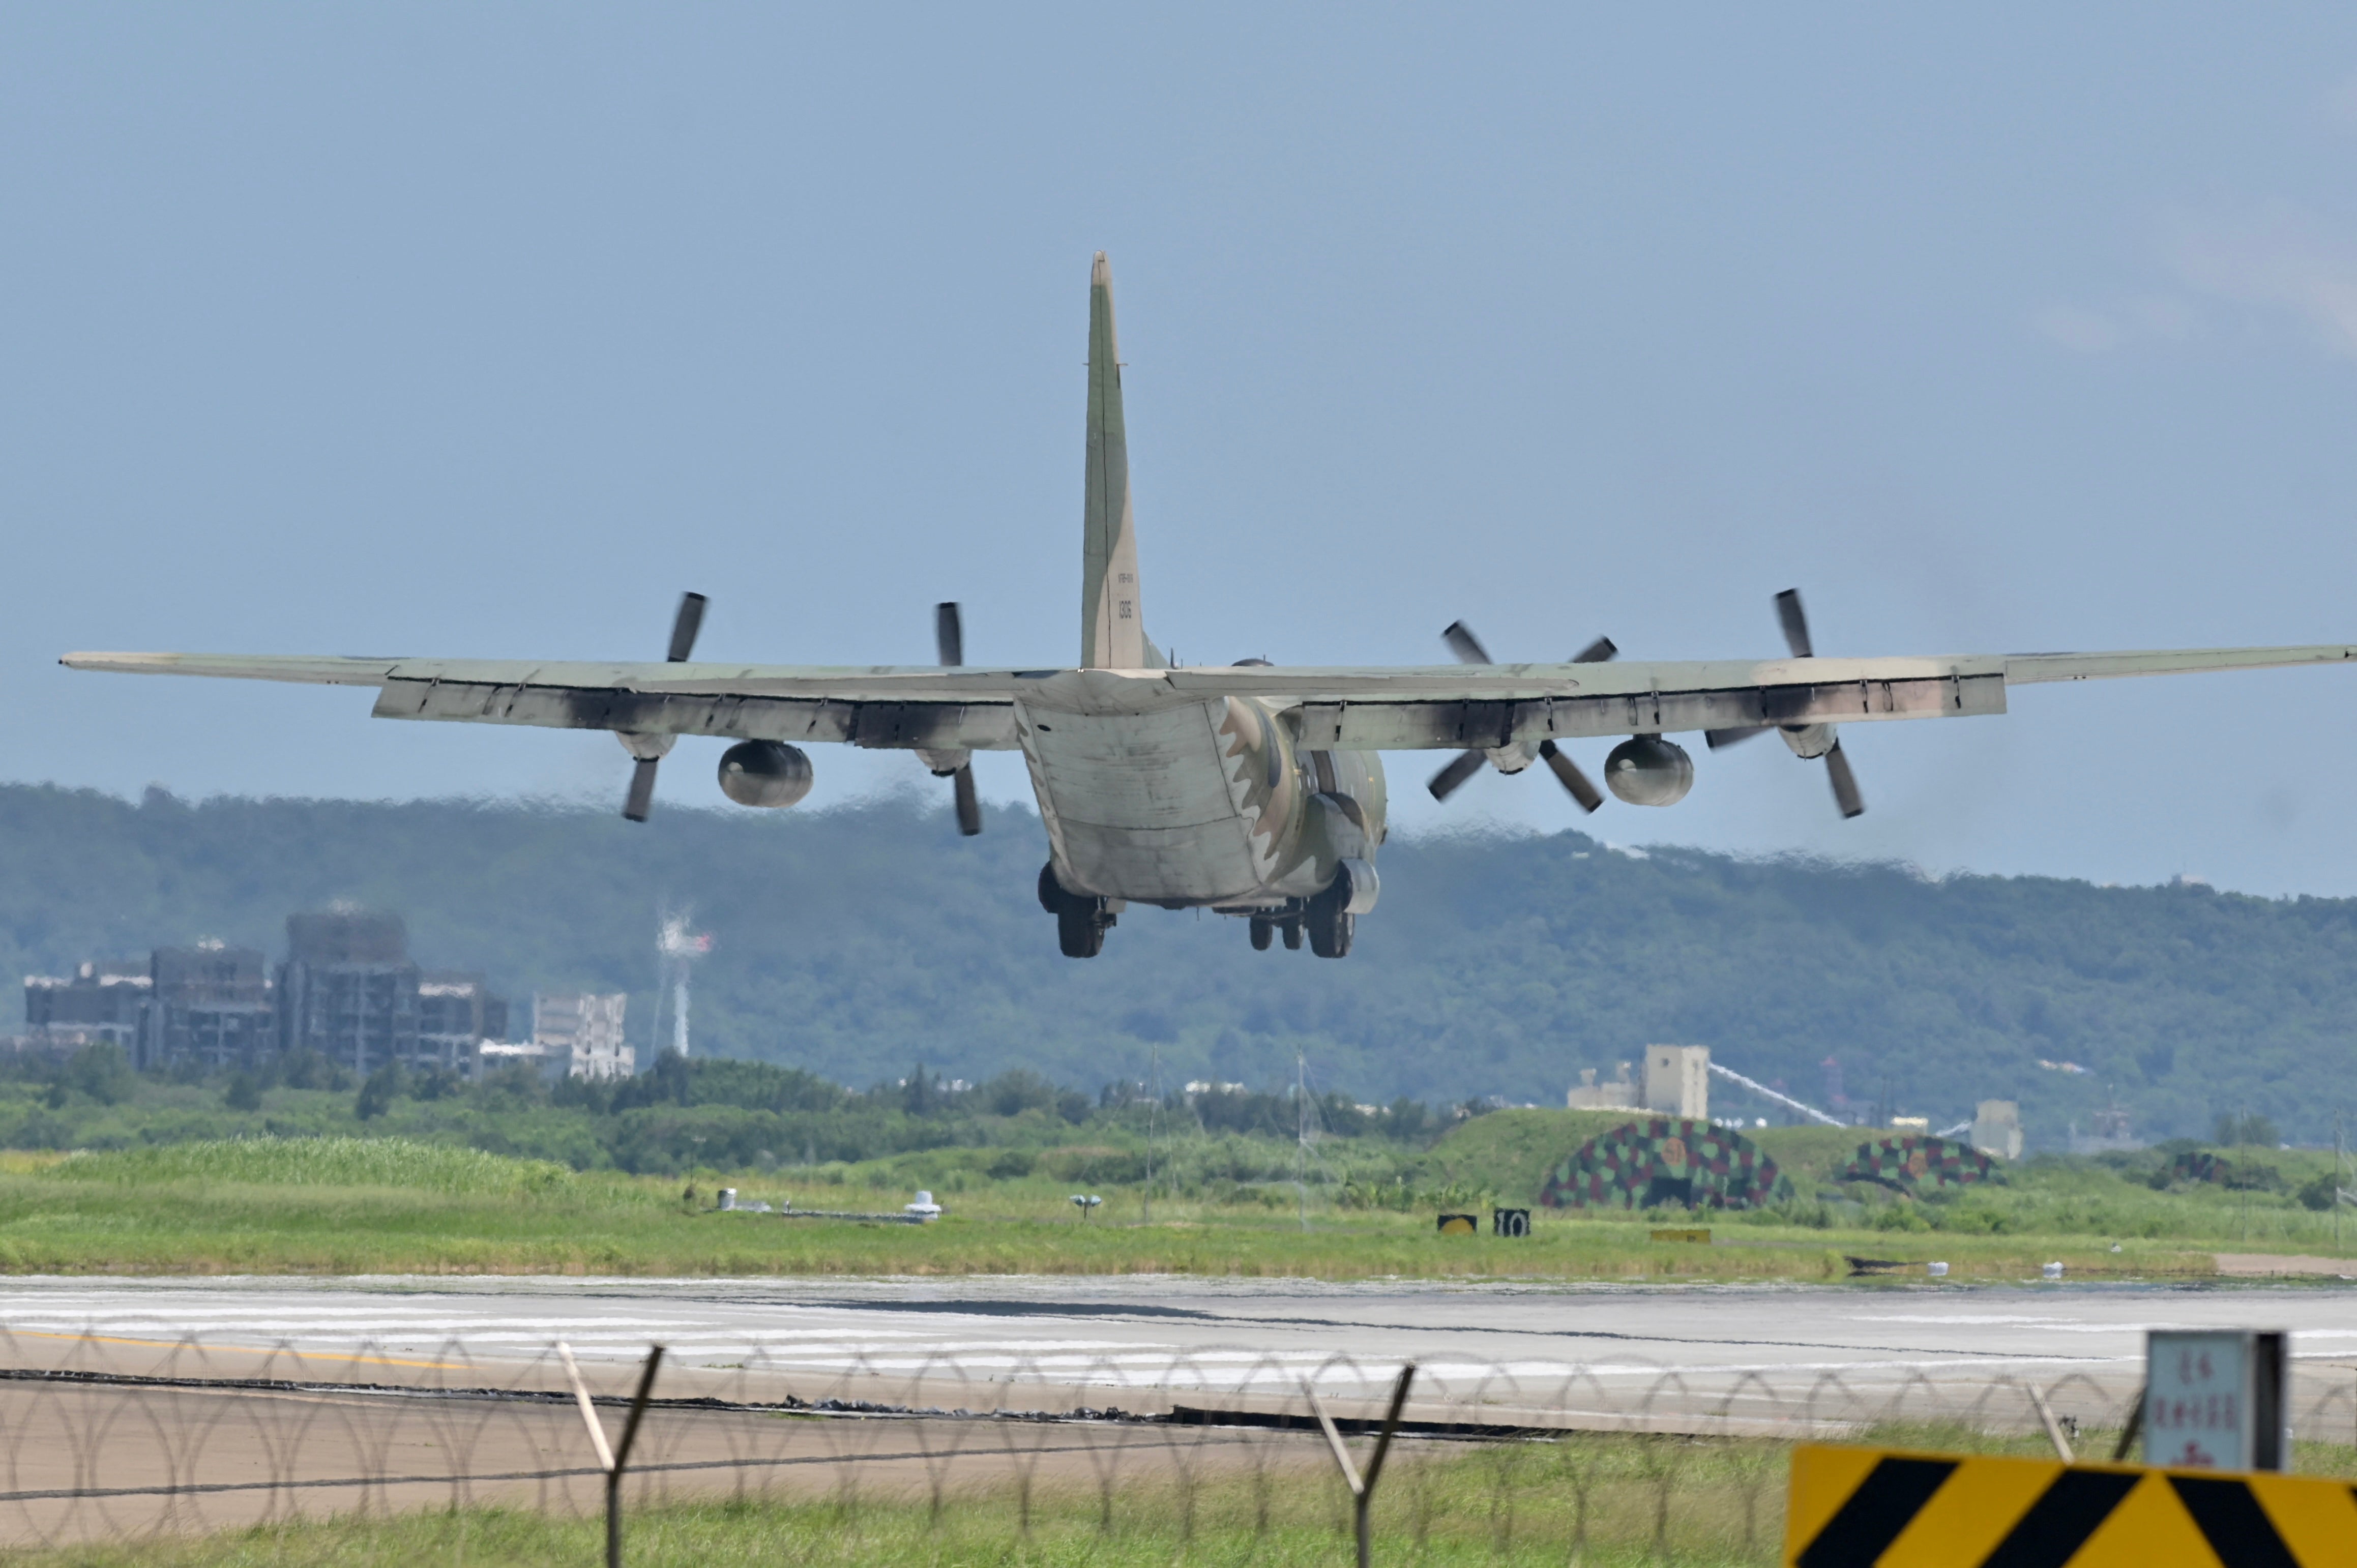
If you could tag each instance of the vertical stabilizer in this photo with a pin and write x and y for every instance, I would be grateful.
(1113, 615)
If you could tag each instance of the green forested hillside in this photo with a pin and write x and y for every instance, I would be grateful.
(857, 942)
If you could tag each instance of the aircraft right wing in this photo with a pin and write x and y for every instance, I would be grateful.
(1462, 706)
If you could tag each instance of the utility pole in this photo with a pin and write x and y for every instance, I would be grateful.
(1301, 1137)
(1153, 1102)
(2336, 1181)
(2242, 1137)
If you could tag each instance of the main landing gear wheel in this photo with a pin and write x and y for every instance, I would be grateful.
(1291, 926)
(1331, 925)
(1080, 930)
(1081, 920)
(1263, 930)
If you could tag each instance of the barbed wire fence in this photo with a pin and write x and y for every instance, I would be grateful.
(119, 1438)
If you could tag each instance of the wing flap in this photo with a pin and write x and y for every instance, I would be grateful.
(1379, 725)
(974, 726)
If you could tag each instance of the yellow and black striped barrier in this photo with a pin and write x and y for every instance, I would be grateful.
(1859, 1507)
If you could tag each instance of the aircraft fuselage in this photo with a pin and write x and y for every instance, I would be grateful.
(1204, 803)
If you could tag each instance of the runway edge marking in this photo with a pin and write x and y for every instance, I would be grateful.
(1857, 1508)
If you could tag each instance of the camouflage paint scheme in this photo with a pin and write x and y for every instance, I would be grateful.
(1247, 788)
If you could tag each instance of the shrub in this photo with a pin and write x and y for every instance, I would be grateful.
(244, 1091)
(1099, 1165)
(101, 1071)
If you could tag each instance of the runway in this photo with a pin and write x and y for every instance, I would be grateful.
(1148, 1332)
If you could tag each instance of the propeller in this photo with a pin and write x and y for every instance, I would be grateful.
(1465, 764)
(1804, 739)
(684, 627)
(949, 641)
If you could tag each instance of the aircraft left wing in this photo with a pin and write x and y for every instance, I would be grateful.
(1369, 708)
(939, 709)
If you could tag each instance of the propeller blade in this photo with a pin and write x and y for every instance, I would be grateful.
(1796, 624)
(642, 786)
(949, 634)
(1846, 792)
(1595, 653)
(1718, 738)
(969, 805)
(1462, 766)
(1572, 779)
(684, 627)
(1465, 645)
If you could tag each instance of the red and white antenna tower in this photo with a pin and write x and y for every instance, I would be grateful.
(676, 950)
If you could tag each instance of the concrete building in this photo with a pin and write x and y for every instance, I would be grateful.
(457, 1014)
(210, 1004)
(1621, 1094)
(105, 1001)
(1997, 1128)
(586, 1029)
(348, 991)
(1676, 1082)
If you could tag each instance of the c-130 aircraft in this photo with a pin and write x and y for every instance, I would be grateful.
(1250, 789)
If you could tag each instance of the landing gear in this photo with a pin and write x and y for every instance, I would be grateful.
(1285, 921)
(1331, 924)
(1080, 929)
(1082, 920)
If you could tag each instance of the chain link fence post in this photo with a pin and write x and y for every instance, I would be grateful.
(1363, 1489)
(614, 1461)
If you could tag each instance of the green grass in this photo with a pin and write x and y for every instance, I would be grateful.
(319, 1162)
(1713, 1503)
(344, 1205)
(340, 1206)
(1696, 1503)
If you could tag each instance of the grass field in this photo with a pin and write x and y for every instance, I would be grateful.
(1606, 1499)
(1520, 1503)
(347, 1206)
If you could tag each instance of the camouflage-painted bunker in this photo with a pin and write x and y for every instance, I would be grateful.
(2202, 1164)
(1672, 1160)
(1918, 1164)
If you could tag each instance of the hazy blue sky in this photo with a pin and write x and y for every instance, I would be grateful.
(488, 329)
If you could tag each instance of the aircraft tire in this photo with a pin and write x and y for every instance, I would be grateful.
(1263, 930)
(1080, 930)
(1331, 925)
(1292, 929)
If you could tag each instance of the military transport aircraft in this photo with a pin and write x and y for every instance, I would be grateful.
(1252, 790)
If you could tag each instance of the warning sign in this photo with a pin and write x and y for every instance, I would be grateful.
(1854, 1507)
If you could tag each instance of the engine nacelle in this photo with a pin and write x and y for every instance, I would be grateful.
(1646, 771)
(764, 773)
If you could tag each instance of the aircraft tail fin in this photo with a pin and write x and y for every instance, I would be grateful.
(1113, 615)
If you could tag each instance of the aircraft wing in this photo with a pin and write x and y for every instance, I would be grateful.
(1370, 708)
(944, 710)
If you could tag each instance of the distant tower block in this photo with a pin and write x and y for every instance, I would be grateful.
(1677, 1080)
(584, 1031)
(1997, 1129)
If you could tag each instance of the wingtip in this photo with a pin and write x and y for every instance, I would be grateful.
(1101, 272)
